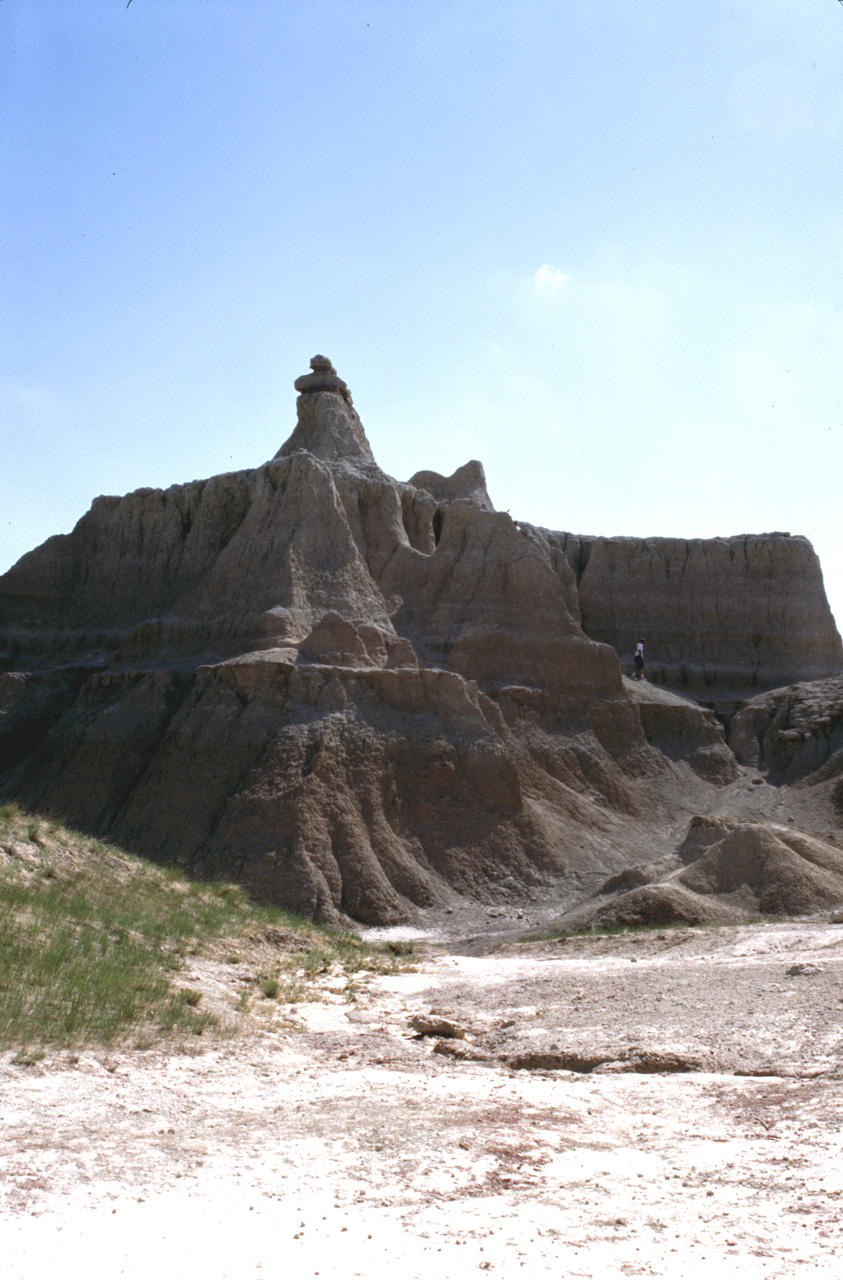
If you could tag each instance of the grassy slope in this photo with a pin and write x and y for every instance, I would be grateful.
(92, 939)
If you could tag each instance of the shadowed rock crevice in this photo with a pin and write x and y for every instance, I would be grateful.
(794, 733)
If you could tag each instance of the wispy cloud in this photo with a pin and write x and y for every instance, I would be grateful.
(24, 406)
(550, 279)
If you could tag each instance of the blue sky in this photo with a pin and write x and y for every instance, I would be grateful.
(597, 244)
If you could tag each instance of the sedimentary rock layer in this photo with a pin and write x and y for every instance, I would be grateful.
(717, 615)
(338, 790)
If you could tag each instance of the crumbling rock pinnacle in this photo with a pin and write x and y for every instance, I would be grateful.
(328, 426)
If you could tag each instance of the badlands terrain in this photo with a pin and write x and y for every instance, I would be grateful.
(388, 707)
(362, 698)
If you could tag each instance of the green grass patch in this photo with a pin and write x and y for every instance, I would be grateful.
(606, 931)
(92, 937)
(613, 930)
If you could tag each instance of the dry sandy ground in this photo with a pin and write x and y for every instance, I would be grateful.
(339, 1145)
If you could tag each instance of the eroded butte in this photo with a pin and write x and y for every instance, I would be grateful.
(387, 702)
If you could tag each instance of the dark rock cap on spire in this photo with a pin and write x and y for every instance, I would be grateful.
(323, 378)
(328, 425)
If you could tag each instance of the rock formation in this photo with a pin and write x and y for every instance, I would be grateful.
(794, 733)
(359, 697)
(725, 870)
(719, 616)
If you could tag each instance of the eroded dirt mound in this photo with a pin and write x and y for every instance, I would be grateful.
(725, 870)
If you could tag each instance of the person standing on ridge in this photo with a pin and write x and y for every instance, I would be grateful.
(639, 661)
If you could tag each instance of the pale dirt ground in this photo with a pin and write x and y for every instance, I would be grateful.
(329, 1142)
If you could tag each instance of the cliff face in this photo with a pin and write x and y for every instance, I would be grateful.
(358, 696)
(718, 616)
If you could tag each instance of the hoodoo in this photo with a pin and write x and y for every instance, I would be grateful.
(360, 697)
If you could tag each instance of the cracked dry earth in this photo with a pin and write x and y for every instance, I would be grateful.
(331, 1141)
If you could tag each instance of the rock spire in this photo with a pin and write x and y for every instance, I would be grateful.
(328, 425)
